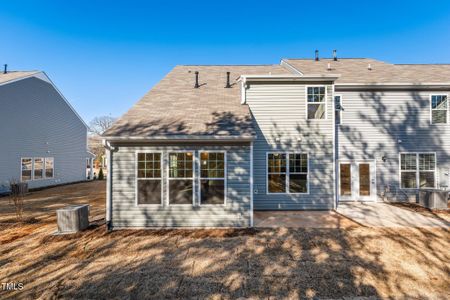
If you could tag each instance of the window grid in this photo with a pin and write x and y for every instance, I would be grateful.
(38, 168)
(279, 163)
(149, 165)
(415, 167)
(212, 165)
(181, 165)
(49, 167)
(439, 109)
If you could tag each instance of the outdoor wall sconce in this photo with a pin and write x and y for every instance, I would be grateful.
(384, 158)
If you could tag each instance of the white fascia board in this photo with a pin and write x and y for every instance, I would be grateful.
(394, 85)
(290, 67)
(179, 138)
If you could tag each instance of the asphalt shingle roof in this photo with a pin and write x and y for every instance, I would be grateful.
(173, 107)
(13, 75)
(356, 70)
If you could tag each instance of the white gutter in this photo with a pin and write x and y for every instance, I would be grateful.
(179, 138)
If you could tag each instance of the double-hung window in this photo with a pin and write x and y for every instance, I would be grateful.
(38, 166)
(316, 102)
(27, 169)
(287, 173)
(417, 170)
(149, 178)
(439, 109)
(181, 177)
(212, 177)
(49, 167)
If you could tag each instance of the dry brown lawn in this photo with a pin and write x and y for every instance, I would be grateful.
(161, 264)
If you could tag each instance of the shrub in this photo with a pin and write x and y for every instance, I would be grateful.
(100, 174)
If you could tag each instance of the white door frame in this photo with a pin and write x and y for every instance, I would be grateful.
(354, 173)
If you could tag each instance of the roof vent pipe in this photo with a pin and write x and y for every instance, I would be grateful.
(228, 81)
(329, 67)
(317, 55)
(196, 80)
(5, 70)
(334, 55)
(369, 67)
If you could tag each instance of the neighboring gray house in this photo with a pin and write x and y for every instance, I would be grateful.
(43, 139)
(305, 134)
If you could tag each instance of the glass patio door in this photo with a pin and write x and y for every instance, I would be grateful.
(357, 181)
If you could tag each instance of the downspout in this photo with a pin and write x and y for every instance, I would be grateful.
(109, 149)
(251, 184)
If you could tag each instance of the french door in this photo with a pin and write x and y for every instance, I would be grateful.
(357, 181)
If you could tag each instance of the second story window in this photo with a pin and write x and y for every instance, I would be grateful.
(337, 109)
(439, 109)
(316, 102)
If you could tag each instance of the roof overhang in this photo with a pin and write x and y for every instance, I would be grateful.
(288, 77)
(179, 138)
(394, 86)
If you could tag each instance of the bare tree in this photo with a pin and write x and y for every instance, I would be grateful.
(98, 125)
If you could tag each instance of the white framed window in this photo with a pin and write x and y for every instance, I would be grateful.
(213, 182)
(38, 168)
(316, 105)
(149, 178)
(181, 178)
(417, 170)
(439, 109)
(338, 109)
(26, 169)
(287, 173)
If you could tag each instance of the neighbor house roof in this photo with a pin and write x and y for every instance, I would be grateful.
(14, 75)
(357, 71)
(174, 108)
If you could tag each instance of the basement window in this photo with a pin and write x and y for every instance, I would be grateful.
(439, 109)
(212, 178)
(181, 178)
(316, 102)
(149, 179)
(287, 173)
(417, 170)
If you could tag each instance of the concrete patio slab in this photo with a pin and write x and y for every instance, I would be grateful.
(378, 214)
(301, 219)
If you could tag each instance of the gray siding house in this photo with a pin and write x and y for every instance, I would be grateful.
(208, 145)
(43, 139)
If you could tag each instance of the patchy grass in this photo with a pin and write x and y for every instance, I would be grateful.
(217, 264)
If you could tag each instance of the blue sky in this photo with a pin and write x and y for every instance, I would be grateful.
(105, 55)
